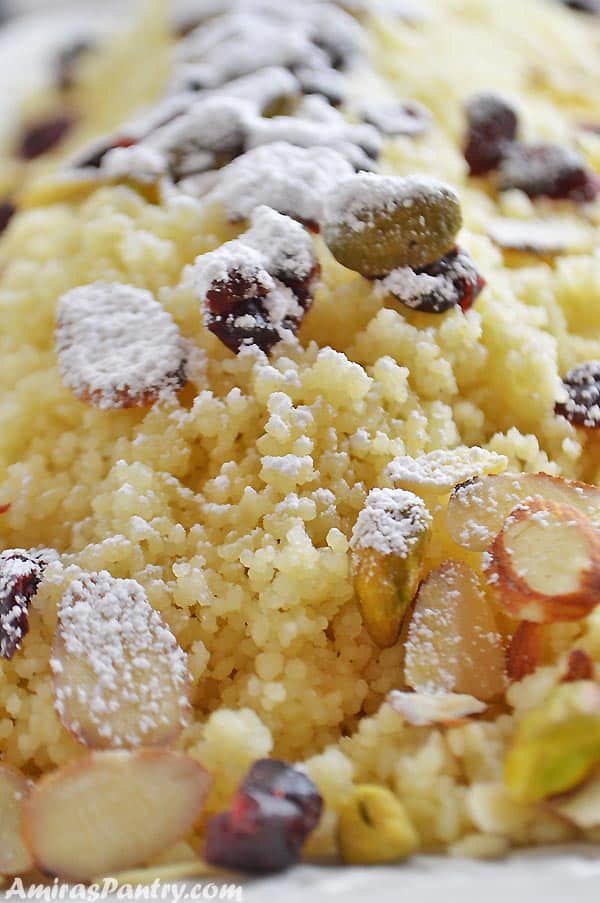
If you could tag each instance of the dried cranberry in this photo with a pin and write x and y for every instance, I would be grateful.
(582, 405)
(45, 135)
(492, 126)
(451, 281)
(548, 170)
(272, 814)
(7, 211)
(583, 6)
(20, 576)
(4, 509)
(579, 667)
(67, 61)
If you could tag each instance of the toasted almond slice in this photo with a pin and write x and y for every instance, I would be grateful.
(542, 238)
(544, 565)
(120, 678)
(453, 644)
(15, 858)
(478, 508)
(422, 709)
(112, 811)
(178, 871)
(524, 651)
(582, 807)
(439, 471)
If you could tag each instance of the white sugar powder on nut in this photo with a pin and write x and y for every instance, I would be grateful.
(120, 677)
(423, 709)
(138, 162)
(392, 522)
(117, 347)
(444, 469)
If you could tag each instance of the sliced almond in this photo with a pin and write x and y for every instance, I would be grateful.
(478, 508)
(581, 808)
(544, 565)
(453, 644)
(524, 651)
(422, 709)
(439, 471)
(112, 811)
(15, 858)
(541, 238)
(120, 678)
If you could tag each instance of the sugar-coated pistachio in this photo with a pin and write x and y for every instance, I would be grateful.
(374, 827)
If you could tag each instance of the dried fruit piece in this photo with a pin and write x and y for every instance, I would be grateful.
(68, 61)
(120, 678)
(273, 812)
(453, 645)
(256, 289)
(438, 472)
(479, 506)
(524, 651)
(20, 576)
(542, 238)
(388, 543)
(374, 827)
(492, 126)
(583, 6)
(117, 346)
(423, 709)
(579, 667)
(7, 211)
(44, 135)
(111, 811)
(14, 855)
(397, 117)
(544, 565)
(547, 170)
(556, 745)
(449, 282)
(374, 224)
(581, 405)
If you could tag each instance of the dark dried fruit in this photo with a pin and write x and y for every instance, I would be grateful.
(582, 404)
(449, 282)
(583, 6)
(579, 667)
(548, 170)
(272, 814)
(7, 211)
(492, 126)
(4, 509)
(44, 135)
(20, 577)
(67, 62)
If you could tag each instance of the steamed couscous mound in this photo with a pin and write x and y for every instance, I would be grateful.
(233, 502)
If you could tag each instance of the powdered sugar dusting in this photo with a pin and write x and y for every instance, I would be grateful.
(540, 237)
(117, 346)
(444, 469)
(423, 709)
(120, 677)
(581, 401)
(392, 522)
(20, 575)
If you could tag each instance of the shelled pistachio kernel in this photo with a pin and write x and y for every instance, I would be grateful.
(374, 827)
(556, 745)
(374, 224)
(388, 543)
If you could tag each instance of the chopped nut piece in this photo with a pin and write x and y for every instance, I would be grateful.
(117, 346)
(423, 709)
(374, 827)
(556, 745)
(375, 224)
(582, 390)
(120, 678)
(14, 855)
(388, 544)
(524, 651)
(453, 645)
(579, 667)
(397, 117)
(439, 472)
(542, 238)
(20, 576)
(544, 565)
(478, 507)
(111, 811)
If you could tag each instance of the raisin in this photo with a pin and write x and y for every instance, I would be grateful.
(583, 6)
(492, 126)
(457, 268)
(20, 577)
(582, 404)
(272, 814)
(68, 60)
(579, 667)
(45, 135)
(548, 170)
(7, 211)
(451, 281)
